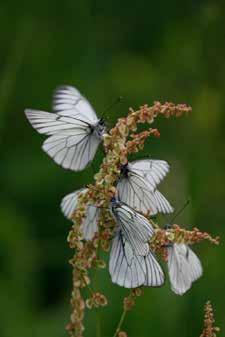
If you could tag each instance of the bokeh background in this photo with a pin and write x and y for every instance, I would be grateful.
(144, 51)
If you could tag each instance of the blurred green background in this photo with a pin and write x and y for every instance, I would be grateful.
(144, 51)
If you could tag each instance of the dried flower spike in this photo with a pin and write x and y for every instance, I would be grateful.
(209, 329)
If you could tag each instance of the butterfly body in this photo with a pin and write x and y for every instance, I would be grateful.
(124, 171)
(99, 128)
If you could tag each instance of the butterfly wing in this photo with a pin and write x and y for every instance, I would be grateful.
(184, 267)
(69, 203)
(194, 264)
(153, 171)
(135, 228)
(180, 279)
(49, 123)
(154, 273)
(135, 192)
(126, 269)
(72, 149)
(68, 101)
(162, 204)
(72, 142)
(90, 222)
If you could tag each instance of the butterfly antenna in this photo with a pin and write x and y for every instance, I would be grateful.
(118, 100)
(180, 210)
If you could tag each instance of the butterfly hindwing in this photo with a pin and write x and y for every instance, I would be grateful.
(134, 191)
(162, 204)
(154, 273)
(72, 149)
(90, 221)
(126, 269)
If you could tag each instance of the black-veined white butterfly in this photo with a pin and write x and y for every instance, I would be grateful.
(90, 222)
(137, 186)
(74, 129)
(131, 262)
(184, 267)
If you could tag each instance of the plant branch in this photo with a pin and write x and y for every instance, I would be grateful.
(120, 323)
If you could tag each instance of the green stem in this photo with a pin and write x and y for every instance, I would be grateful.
(120, 323)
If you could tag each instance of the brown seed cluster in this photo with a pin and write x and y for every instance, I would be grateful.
(122, 140)
(209, 329)
(176, 234)
(129, 301)
(96, 300)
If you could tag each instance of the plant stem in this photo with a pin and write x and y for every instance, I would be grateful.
(120, 322)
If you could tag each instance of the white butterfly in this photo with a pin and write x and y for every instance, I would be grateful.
(131, 262)
(137, 186)
(184, 267)
(74, 129)
(90, 222)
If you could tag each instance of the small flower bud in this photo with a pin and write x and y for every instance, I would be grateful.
(137, 292)
(89, 303)
(99, 264)
(128, 303)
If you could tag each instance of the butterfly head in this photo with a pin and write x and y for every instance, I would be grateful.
(167, 226)
(100, 128)
(124, 170)
(115, 202)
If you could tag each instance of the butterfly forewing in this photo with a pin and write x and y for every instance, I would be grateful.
(135, 228)
(49, 124)
(153, 170)
(67, 101)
